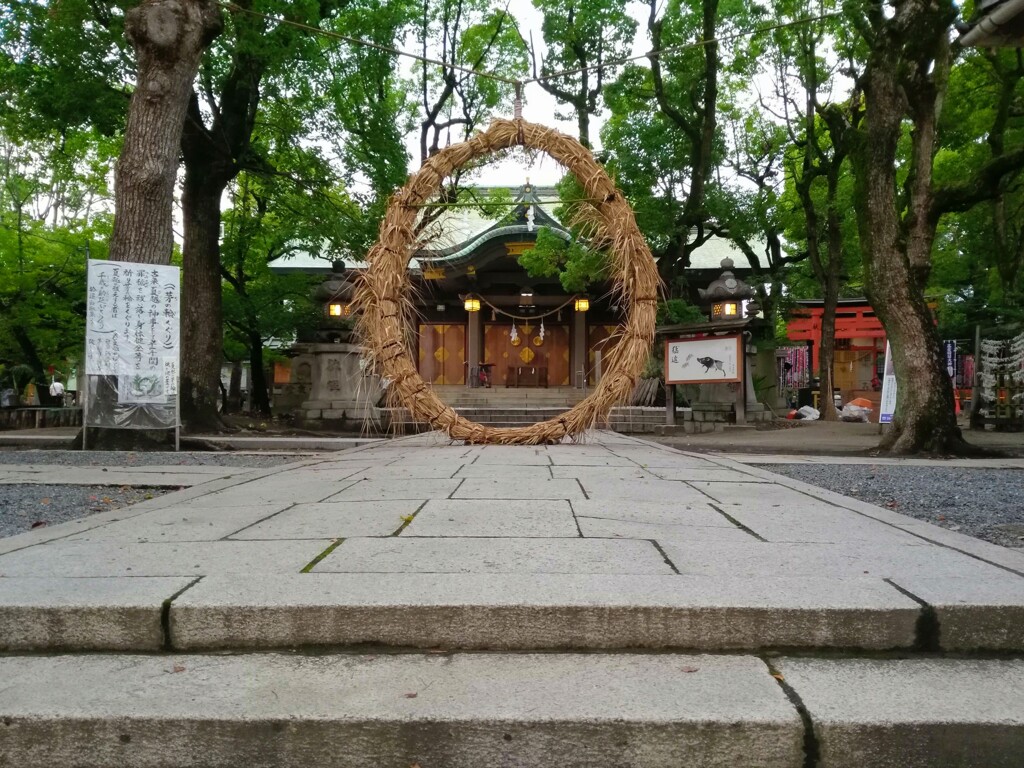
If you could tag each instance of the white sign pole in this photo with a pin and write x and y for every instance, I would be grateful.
(888, 405)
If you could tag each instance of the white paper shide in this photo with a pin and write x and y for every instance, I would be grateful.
(132, 329)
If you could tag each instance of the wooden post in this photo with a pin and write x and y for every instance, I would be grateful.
(670, 405)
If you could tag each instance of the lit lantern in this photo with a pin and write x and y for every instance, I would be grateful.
(339, 310)
(725, 310)
(582, 304)
(472, 304)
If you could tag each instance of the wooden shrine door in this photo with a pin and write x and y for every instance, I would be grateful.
(442, 353)
(529, 351)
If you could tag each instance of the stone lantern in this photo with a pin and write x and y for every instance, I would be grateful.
(341, 393)
(726, 294)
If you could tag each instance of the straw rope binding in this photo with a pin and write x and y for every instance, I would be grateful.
(383, 296)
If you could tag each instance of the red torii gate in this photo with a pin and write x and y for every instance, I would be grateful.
(855, 319)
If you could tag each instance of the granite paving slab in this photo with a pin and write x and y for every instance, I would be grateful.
(91, 614)
(591, 472)
(912, 713)
(599, 527)
(699, 513)
(973, 613)
(275, 491)
(524, 473)
(754, 559)
(498, 611)
(520, 456)
(514, 488)
(465, 517)
(646, 489)
(183, 523)
(333, 520)
(99, 558)
(493, 555)
(459, 711)
(698, 474)
(399, 487)
(441, 471)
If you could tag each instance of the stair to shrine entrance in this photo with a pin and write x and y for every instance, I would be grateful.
(502, 398)
(516, 407)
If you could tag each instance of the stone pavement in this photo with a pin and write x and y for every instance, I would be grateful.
(411, 602)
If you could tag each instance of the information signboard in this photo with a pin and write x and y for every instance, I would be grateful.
(132, 345)
(707, 360)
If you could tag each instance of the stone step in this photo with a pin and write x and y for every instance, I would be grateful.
(630, 606)
(469, 710)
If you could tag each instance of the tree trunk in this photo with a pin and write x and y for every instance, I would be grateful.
(258, 397)
(583, 125)
(234, 396)
(830, 273)
(924, 418)
(169, 37)
(28, 350)
(201, 302)
(827, 353)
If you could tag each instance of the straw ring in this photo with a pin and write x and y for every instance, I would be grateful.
(388, 275)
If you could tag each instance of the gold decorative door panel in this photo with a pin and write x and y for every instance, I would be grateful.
(442, 353)
(527, 350)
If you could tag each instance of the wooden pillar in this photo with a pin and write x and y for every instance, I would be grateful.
(670, 404)
(579, 347)
(474, 345)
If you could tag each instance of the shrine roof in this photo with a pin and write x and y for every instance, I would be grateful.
(529, 213)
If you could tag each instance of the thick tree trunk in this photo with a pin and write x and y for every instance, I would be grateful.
(924, 418)
(201, 302)
(169, 37)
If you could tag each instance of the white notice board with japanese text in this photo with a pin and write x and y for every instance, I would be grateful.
(132, 347)
(133, 328)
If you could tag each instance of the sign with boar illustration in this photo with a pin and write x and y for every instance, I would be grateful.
(714, 359)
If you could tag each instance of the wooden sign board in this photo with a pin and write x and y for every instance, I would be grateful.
(708, 360)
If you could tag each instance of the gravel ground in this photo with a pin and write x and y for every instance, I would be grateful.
(985, 503)
(23, 506)
(146, 458)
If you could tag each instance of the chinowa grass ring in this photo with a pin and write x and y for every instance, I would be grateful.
(384, 291)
